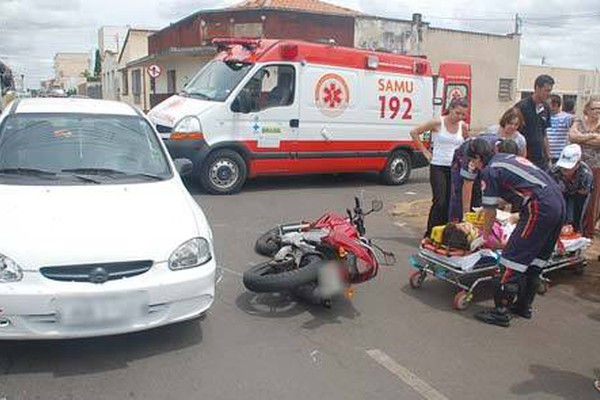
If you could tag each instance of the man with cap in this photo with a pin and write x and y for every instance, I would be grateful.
(576, 182)
(541, 208)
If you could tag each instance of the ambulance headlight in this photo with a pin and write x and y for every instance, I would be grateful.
(188, 128)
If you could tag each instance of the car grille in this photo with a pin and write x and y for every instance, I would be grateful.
(164, 129)
(88, 272)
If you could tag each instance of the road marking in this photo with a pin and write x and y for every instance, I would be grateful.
(231, 271)
(412, 380)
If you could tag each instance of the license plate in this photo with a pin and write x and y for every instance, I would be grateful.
(98, 310)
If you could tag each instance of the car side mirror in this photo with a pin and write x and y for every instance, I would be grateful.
(377, 205)
(183, 166)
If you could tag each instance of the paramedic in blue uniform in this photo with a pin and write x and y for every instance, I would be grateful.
(541, 215)
(465, 187)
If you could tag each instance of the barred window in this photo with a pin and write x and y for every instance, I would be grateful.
(505, 89)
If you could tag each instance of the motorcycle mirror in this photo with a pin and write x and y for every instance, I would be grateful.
(377, 205)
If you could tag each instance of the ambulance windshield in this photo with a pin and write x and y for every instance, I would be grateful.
(216, 80)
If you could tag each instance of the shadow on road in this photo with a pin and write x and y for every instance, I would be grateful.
(328, 181)
(276, 305)
(563, 384)
(93, 355)
(440, 295)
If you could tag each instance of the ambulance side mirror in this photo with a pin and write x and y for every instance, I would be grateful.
(438, 101)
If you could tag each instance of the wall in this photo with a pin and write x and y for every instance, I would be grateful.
(111, 81)
(185, 66)
(569, 81)
(382, 34)
(135, 48)
(199, 30)
(491, 57)
(69, 68)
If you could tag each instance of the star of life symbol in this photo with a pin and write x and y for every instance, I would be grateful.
(332, 95)
(256, 126)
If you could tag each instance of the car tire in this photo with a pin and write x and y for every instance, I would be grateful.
(223, 172)
(398, 168)
(273, 276)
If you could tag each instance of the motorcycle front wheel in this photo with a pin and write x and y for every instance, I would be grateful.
(280, 276)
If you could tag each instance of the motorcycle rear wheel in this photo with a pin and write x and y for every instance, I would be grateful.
(269, 243)
(280, 276)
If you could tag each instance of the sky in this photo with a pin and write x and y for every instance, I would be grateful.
(561, 33)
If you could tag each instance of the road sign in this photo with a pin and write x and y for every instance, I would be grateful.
(154, 70)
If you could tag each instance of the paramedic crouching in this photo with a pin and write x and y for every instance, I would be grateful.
(542, 212)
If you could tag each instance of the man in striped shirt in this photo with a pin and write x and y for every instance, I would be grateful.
(558, 132)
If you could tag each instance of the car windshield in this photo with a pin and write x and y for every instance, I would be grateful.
(83, 148)
(216, 80)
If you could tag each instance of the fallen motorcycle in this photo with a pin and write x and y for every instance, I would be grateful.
(318, 261)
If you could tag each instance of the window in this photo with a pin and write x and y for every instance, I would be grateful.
(505, 89)
(455, 91)
(125, 84)
(171, 81)
(271, 86)
(136, 85)
(62, 144)
(217, 80)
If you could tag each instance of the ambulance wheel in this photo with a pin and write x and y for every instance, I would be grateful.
(397, 169)
(543, 287)
(223, 172)
(462, 300)
(416, 279)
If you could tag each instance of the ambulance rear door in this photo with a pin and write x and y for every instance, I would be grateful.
(456, 83)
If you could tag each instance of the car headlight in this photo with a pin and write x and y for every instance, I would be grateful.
(9, 270)
(188, 128)
(193, 253)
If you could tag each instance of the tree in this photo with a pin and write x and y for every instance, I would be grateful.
(97, 65)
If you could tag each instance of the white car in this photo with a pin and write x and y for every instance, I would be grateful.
(98, 234)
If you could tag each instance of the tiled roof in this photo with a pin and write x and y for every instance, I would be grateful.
(311, 6)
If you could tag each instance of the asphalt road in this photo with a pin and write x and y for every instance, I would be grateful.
(390, 342)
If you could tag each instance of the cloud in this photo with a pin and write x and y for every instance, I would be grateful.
(564, 32)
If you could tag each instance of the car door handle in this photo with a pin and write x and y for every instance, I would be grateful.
(294, 123)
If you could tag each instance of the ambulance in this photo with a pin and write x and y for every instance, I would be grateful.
(285, 107)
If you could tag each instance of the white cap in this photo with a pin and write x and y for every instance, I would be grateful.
(569, 157)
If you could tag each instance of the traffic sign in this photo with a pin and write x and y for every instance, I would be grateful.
(154, 70)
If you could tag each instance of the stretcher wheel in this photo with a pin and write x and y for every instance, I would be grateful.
(416, 279)
(578, 270)
(543, 287)
(462, 300)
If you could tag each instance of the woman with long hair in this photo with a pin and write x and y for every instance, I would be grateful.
(447, 133)
(586, 133)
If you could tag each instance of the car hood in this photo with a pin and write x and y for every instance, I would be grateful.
(65, 225)
(172, 110)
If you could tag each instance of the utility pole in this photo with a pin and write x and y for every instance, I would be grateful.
(518, 23)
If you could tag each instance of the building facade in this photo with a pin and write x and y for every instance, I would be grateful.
(573, 84)
(134, 82)
(70, 68)
(494, 73)
(184, 47)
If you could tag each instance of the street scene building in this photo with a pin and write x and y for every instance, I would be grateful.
(70, 69)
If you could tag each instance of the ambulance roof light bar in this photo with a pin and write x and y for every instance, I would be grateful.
(372, 62)
(224, 43)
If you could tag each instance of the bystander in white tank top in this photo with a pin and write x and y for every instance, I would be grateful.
(444, 143)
